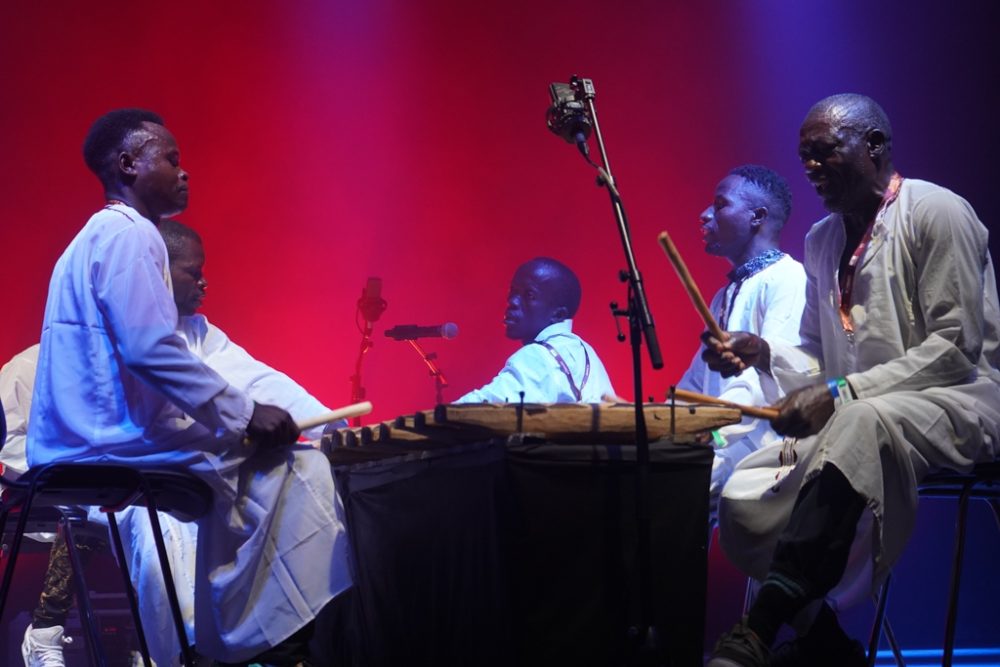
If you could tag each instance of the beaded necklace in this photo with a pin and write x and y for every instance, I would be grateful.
(739, 274)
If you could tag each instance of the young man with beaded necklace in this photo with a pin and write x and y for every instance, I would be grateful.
(765, 294)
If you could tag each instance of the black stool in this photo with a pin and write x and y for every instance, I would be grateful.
(58, 489)
(984, 483)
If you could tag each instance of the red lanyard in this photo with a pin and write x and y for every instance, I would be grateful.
(847, 277)
(564, 367)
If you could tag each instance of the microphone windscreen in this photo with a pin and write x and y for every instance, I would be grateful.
(449, 330)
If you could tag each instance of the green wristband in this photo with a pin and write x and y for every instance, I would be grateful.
(844, 389)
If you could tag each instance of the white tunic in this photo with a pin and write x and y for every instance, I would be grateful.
(264, 385)
(923, 363)
(259, 381)
(115, 383)
(769, 303)
(17, 378)
(534, 370)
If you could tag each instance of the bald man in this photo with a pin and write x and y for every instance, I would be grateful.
(554, 365)
(897, 376)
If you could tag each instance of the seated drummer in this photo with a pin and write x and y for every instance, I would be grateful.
(765, 295)
(554, 365)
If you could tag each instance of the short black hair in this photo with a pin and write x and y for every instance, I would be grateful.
(174, 234)
(863, 113)
(566, 286)
(774, 187)
(107, 136)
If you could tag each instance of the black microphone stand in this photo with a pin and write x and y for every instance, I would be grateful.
(643, 638)
(440, 382)
(368, 311)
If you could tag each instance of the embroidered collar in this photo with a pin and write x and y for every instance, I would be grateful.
(754, 265)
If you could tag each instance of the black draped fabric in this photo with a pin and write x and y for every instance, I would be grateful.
(430, 581)
(525, 554)
(575, 554)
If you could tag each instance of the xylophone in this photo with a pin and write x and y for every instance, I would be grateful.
(576, 423)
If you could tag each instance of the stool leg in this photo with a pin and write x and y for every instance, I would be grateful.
(187, 655)
(897, 653)
(876, 633)
(133, 604)
(956, 574)
(86, 610)
(10, 554)
(15, 547)
(994, 504)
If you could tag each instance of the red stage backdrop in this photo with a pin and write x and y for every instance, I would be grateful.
(329, 141)
(332, 141)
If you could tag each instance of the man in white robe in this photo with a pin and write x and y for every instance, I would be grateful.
(115, 383)
(554, 365)
(765, 296)
(43, 638)
(896, 376)
(261, 383)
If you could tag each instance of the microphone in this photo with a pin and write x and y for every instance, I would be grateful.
(568, 117)
(412, 331)
(371, 304)
(569, 120)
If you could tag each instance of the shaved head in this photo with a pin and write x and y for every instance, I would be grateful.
(858, 112)
(544, 291)
(560, 280)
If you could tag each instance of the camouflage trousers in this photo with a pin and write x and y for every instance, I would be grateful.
(57, 592)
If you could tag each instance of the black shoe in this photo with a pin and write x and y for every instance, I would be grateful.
(740, 647)
(809, 651)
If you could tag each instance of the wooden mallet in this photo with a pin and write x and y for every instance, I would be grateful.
(691, 287)
(346, 412)
(750, 410)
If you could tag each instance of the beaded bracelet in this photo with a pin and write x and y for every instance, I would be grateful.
(719, 441)
(840, 390)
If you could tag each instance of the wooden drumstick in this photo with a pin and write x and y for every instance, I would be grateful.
(691, 287)
(694, 397)
(346, 412)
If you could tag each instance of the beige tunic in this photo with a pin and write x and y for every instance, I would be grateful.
(923, 363)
